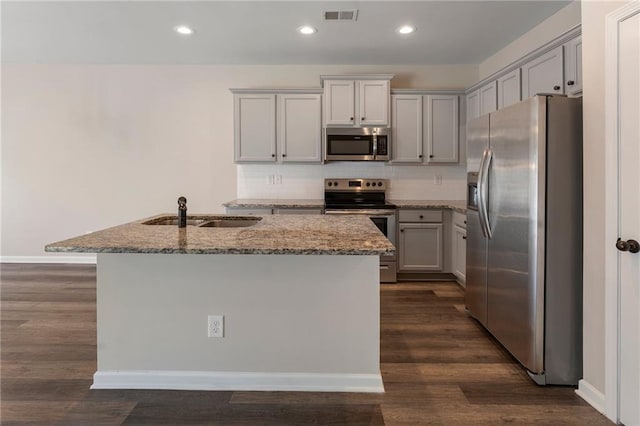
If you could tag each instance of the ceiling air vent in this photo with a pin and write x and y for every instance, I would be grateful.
(341, 15)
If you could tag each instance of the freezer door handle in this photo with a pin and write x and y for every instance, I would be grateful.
(483, 197)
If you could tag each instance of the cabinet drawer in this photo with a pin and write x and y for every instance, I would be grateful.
(420, 216)
(460, 220)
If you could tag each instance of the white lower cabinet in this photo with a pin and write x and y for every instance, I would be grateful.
(420, 242)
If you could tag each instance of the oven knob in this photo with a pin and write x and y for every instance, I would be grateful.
(368, 183)
(379, 183)
(335, 183)
(330, 184)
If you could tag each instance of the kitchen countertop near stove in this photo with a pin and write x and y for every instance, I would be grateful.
(274, 234)
(459, 206)
(275, 203)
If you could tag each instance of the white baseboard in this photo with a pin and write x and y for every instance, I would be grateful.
(589, 393)
(49, 259)
(237, 381)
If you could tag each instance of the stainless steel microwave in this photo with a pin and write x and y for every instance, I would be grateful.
(357, 144)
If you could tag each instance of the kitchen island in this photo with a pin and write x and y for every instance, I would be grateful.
(299, 296)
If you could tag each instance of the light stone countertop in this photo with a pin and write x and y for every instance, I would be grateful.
(275, 203)
(459, 206)
(274, 234)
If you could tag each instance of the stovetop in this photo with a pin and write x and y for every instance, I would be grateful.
(347, 194)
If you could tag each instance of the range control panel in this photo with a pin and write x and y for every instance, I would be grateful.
(355, 185)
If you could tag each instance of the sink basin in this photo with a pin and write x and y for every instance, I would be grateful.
(174, 222)
(237, 222)
(208, 222)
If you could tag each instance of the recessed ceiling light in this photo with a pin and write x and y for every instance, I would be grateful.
(406, 29)
(183, 29)
(306, 30)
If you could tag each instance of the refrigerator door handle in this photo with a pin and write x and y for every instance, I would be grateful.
(481, 207)
(484, 194)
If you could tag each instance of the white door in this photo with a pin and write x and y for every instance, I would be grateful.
(473, 105)
(488, 98)
(509, 89)
(339, 101)
(441, 129)
(300, 128)
(406, 128)
(629, 216)
(543, 74)
(374, 103)
(255, 128)
(573, 67)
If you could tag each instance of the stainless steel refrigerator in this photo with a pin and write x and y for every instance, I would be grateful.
(524, 233)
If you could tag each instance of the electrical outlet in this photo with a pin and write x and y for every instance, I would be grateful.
(437, 180)
(215, 326)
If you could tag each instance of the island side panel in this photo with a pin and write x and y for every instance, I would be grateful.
(288, 316)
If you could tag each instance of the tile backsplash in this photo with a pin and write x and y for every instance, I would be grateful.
(407, 182)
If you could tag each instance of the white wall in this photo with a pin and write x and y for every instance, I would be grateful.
(90, 146)
(593, 65)
(549, 29)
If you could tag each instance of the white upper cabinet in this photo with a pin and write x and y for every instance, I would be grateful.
(488, 98)
(406, 129)
(473, 105)
(573, 67)
(356, 103)
(509, 89)
(543, 74)
(340, 103)
(373, 103)
(255, 128)
(299, 128)
(441, 129)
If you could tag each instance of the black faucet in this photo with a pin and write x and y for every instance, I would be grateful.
(182, 212)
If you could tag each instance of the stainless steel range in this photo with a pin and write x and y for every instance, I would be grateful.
(365, 197)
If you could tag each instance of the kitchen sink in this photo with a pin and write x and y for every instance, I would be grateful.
(238, 222)
(174, 221)
(208, 222)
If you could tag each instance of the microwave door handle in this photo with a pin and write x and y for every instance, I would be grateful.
(375, 146)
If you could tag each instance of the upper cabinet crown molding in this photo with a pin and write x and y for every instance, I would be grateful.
(426, 92)
(323, 78)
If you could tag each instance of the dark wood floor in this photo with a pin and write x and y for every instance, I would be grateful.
(439, 367)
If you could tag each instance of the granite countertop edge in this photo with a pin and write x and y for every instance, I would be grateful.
(459, 206)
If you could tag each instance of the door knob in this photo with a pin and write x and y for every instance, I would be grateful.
(631, 246)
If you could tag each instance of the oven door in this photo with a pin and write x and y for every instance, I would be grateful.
(385, 220)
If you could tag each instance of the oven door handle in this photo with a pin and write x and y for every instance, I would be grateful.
(362, 212)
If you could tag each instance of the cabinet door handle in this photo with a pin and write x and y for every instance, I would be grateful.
(421, 217)
(571, 83)
(273, 155)
(431, 156)
(420, 156)
(556, 87)
(464, 237)
(284, 155)
(351, 118)
(402, 230)
(361, 118)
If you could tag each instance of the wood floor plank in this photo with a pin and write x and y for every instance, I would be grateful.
(438, 364)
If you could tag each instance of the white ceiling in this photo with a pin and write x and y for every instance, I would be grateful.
(263, 32)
